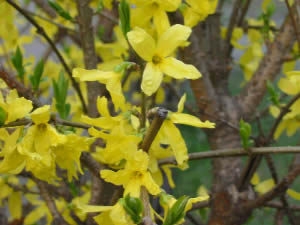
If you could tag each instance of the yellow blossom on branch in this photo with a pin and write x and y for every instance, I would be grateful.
(158, 56)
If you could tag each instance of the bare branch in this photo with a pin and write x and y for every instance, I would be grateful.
(269, 67)
(233, 153)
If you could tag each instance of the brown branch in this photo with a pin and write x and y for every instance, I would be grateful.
(160, 114)
(233, 153)
(57, 217)
(43, 4)
(230, 29)
(294, 21)
(269, 67)
(283, 199)
(278, 205)
(42, 32)
(278, 190)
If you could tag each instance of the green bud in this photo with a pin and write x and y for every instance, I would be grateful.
(133, 207)
(60, 11)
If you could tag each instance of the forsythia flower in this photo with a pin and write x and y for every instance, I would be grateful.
(133, 176)
(158, 57)
(173, 135)
(156, 9)
(111, 215)
(198, 11)
(112, 80)
(14, 107)
(37, 142)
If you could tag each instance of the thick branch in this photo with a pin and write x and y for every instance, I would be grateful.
(269, 67)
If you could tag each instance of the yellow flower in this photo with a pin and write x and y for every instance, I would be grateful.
(157, 56)
(112, 80)
(156, 9)
(13, 162)
(67, 155)
(173, 135)
(133, 176)
(37, 143)
(198, 11)
(14, 107)
(118, 146)
(111, 215)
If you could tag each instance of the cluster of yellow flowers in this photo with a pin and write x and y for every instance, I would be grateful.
(39, 147)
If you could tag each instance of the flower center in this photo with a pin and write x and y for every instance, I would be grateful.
(42, 126)
(137, 175)
(156, 59)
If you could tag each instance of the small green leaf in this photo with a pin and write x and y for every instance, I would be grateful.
(133, 207)
(17, 61)
(245, 133)
(274, 96)
(176, 213)
(37, 75)
(3, 116)
(100, 6)
(60, 11)
(124, 14)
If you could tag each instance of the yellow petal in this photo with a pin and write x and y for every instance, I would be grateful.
(179, 70)
(41, 115)
(92, 75)
(172, 39)
(161, 21)
(255, 179)
(191, 201)
(133, 187)
(15, 205)
(150, 184)
(187, 119)
(152, 78)
(265, 186)
(168, 173)
(169, 5)
(176, 141)
(293, 194)
(114, 87)
(142, 43)
(102, 106)
(118, 178)
(191, 18)
(34, 216)
(180, 106)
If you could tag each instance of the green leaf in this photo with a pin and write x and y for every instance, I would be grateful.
(37, 75)
(124, 14)
(176, 213)
(274, 96)
(60, 89)
(133, 207)
(100, 6)
(60, 11)
(245, 133)
(17, 61)
(3, 116)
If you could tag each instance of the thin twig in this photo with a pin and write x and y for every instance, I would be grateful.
(233, 153)
(49, 21)
(42, 32)
(57, 217)
(278, 205)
